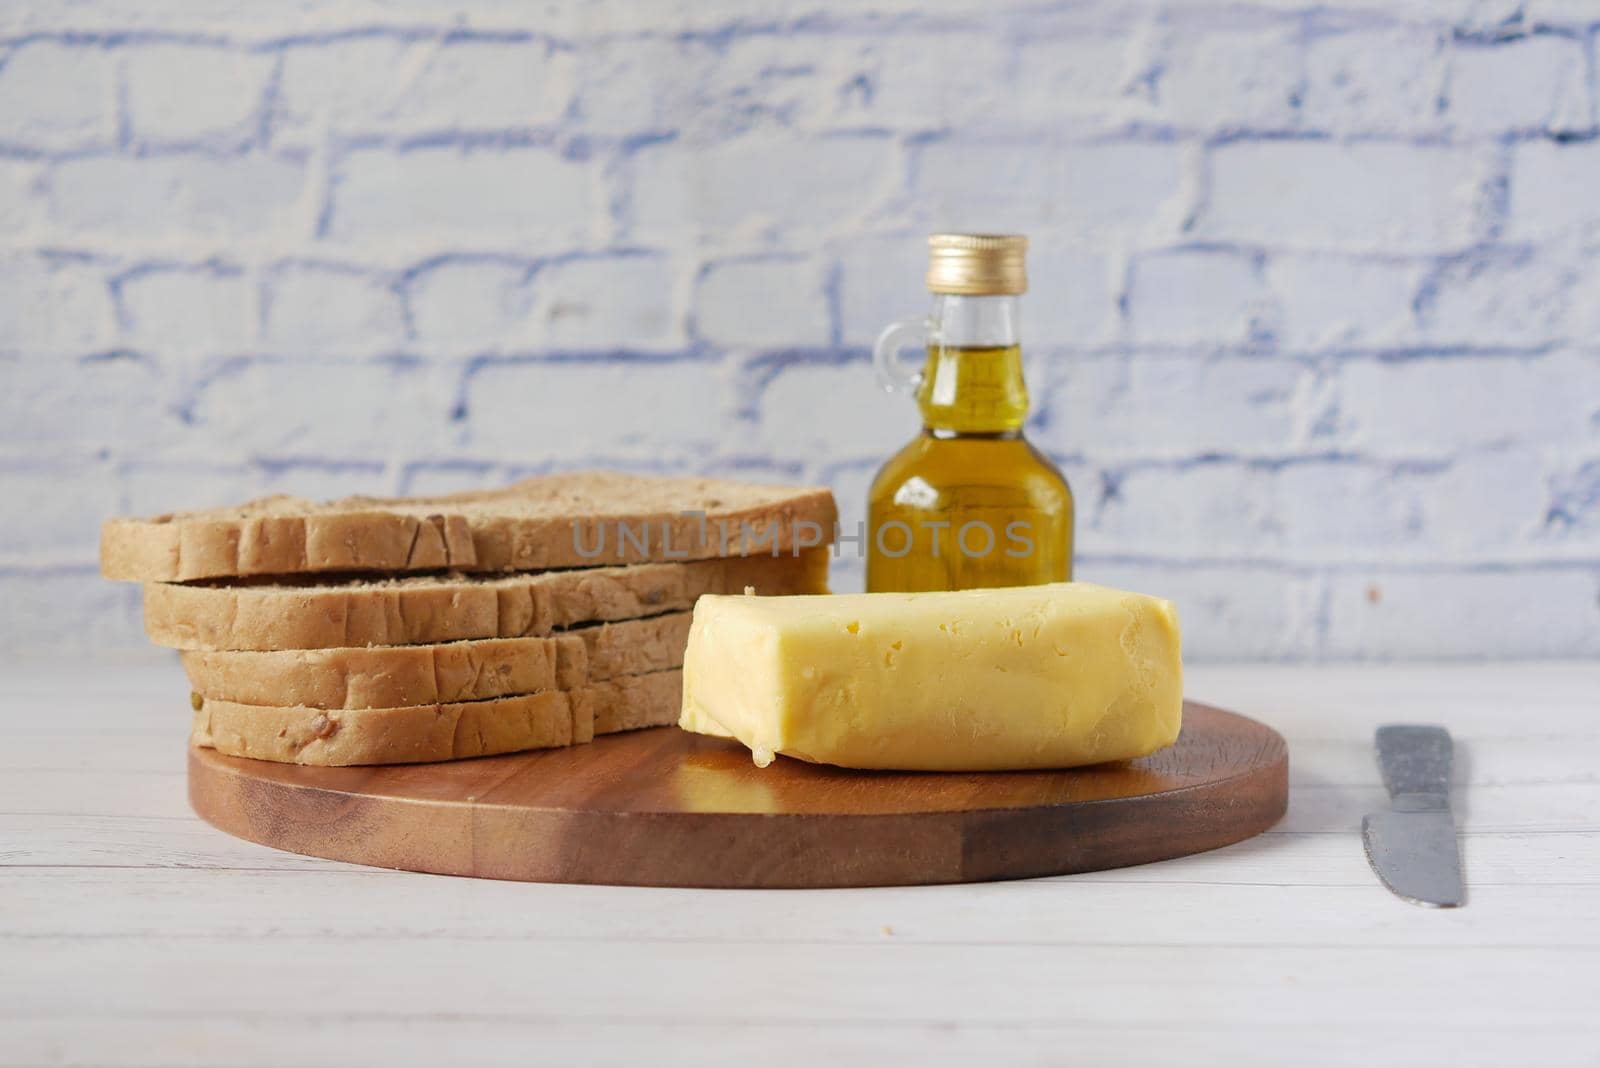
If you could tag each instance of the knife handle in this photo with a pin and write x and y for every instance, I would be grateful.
(1415, 760)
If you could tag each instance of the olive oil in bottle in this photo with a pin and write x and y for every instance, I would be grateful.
(969, 503)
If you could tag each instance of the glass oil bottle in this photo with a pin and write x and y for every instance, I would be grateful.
(969, 503)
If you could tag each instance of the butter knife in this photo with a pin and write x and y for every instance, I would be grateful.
(1412, 846)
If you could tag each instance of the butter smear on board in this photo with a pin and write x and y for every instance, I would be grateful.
(1049, 676)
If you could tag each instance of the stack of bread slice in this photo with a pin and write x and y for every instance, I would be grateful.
(372, 631)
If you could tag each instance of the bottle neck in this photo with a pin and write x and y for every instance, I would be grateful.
(974, 322)
(972, 383)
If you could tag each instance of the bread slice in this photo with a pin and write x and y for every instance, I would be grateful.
(391, 676)
(629, 702)
(451, 608)
(569, 520)
(419, 733)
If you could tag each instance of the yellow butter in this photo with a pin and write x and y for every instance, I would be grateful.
(976, 680)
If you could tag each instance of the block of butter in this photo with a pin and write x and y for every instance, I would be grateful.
(1047, 676)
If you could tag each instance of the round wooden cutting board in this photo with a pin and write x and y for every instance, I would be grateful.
(666, 808)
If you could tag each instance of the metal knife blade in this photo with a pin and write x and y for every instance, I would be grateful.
(1412, 847)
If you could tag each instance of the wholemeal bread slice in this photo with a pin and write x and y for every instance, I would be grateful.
(420, 733)
(426, 610)
(629, 702)
(392, 676)
(569, 520)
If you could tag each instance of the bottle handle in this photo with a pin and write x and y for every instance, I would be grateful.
(894, 375)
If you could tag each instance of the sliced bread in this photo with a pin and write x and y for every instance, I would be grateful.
(569, 520)
(392, 676)
(450, 608)
(421, 733)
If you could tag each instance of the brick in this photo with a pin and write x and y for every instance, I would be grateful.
(1512, 298)
(1087, 80)
(182, 93)
(625, 85)
(1468, 614)
(1552, 189)
(1582, 320)
(802, 80)
(833, 412)
(1343, 302)
(1490, 503)
(1078, 191)
(70, 611)
(758, 184)
(58, 98)
(1364, 195)
(204, 309)
(343, 86)
(378, 84)
(323, 480)
(762, 303)
(181, 195)
(912, 81)
(20, 195)
(524, 197)
(155, 488)
(121, 401)
(1194, 511)
(1493, 19)
(531, 412)
(1226, 612)
(313, 308)
(1534, 83)
(847, 572)
(851, 483)
(1243, 79)
(1572, 512)
(472, 305)
(57, 504)
(1072, 294)
(1375, 509)
(799, 80)
(1436, 406)
(630, 85)
(1197, 296)
(1557, 13)
(608, 302)
(490, 85)
(847, 565)
(1380, 81)
(54, 304)
(880, 280)
(331, 410)
(430, 478)
(1175, 408)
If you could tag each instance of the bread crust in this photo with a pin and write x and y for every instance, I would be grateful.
(453, 608)
(448, 731)
(553, 521)
(393, 676)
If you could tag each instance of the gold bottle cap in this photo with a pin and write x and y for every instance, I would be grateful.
(977, 264)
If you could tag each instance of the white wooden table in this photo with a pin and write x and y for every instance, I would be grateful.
(132, 933)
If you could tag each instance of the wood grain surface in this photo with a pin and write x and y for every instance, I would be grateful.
(667, 808)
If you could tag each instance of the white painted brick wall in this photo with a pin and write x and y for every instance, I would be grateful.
(1367, 80)
(1371, 196)
(1313, 326)
(56, 97)
(186, 94)
(768, 302)
(323, 309)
